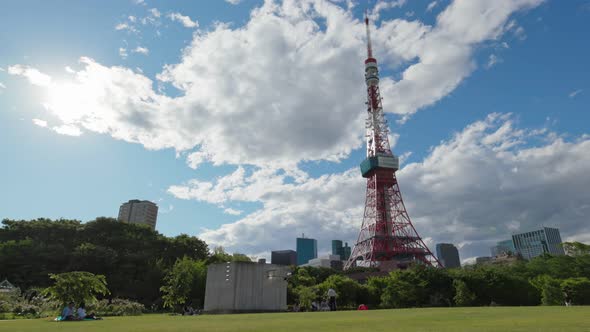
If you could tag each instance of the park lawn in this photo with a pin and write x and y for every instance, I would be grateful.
(407, 320)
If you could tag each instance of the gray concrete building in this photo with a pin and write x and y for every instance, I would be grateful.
(246, 287)
(139, 212)
(283, 257)
(538, 242)
(448, 255)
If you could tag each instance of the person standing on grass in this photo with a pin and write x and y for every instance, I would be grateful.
(332, 299)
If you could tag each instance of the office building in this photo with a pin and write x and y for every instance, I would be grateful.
(331, 261)
(503, 248)
(283, 257)
(340, 250)
(538, 242)
(448, 255)
(306, 249)
(139, 212)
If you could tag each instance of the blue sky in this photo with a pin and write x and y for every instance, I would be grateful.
(244, 121)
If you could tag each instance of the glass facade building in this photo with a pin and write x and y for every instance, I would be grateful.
(306, 249)
(538, 242)
(448, 255)
(503, 248)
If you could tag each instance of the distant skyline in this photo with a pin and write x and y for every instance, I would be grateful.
(244, 120)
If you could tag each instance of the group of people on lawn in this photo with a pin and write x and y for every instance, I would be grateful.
(69, 313)
(329, 305)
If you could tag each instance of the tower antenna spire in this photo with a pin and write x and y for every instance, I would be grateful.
(387, 239)
(369, 48)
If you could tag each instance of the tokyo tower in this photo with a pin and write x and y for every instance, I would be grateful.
(387, 238)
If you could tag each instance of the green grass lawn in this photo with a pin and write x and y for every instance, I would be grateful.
(433, 319)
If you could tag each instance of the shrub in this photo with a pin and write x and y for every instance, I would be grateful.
(116, 307)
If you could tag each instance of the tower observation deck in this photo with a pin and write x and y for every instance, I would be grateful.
(387, 238)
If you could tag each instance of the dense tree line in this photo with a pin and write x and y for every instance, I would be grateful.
(135, 260)
(548, 280)
(140, 264)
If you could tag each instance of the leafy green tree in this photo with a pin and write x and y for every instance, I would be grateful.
(78, 286)
(306, 295)
(550, 288)
(347, 290)
(576, 248)
(184, 283)
(464, 297)
(220, 256)
(577, 289)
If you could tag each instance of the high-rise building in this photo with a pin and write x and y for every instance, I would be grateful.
(139, 212)
(283, 257)
(505, 247)
(538, 242)
(448, 255)
(346, 250)
(340, 250)
(337, 248)
(306, 249)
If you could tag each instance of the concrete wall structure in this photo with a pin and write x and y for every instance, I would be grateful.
(246, 287)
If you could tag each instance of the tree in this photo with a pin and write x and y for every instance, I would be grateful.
(78, 286)
(463, 296)
(577, 289)
(184, 283)
(576, 248)
(306, 295)
(346, 289)
(551, 293)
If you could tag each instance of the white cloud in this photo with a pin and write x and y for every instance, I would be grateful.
(2, 86)
(185, 20)
(126, 26)
(40, 123)
(233, 2)
(68, 130)
(123, 52)
(69, 70)
(279, 90)
(140, 2)
(485, 183)
(383, 5)
(232, 212)
(431, 6)
(132, 18)
(155, 12)
(141, 50)
(1, 69)
(34, 76)
(493, 60)
(575, 93)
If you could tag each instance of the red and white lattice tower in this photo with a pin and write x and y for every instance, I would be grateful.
(387, 238)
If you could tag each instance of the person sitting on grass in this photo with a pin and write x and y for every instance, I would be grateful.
(68, 312)
(188, 310)
(82, 313)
